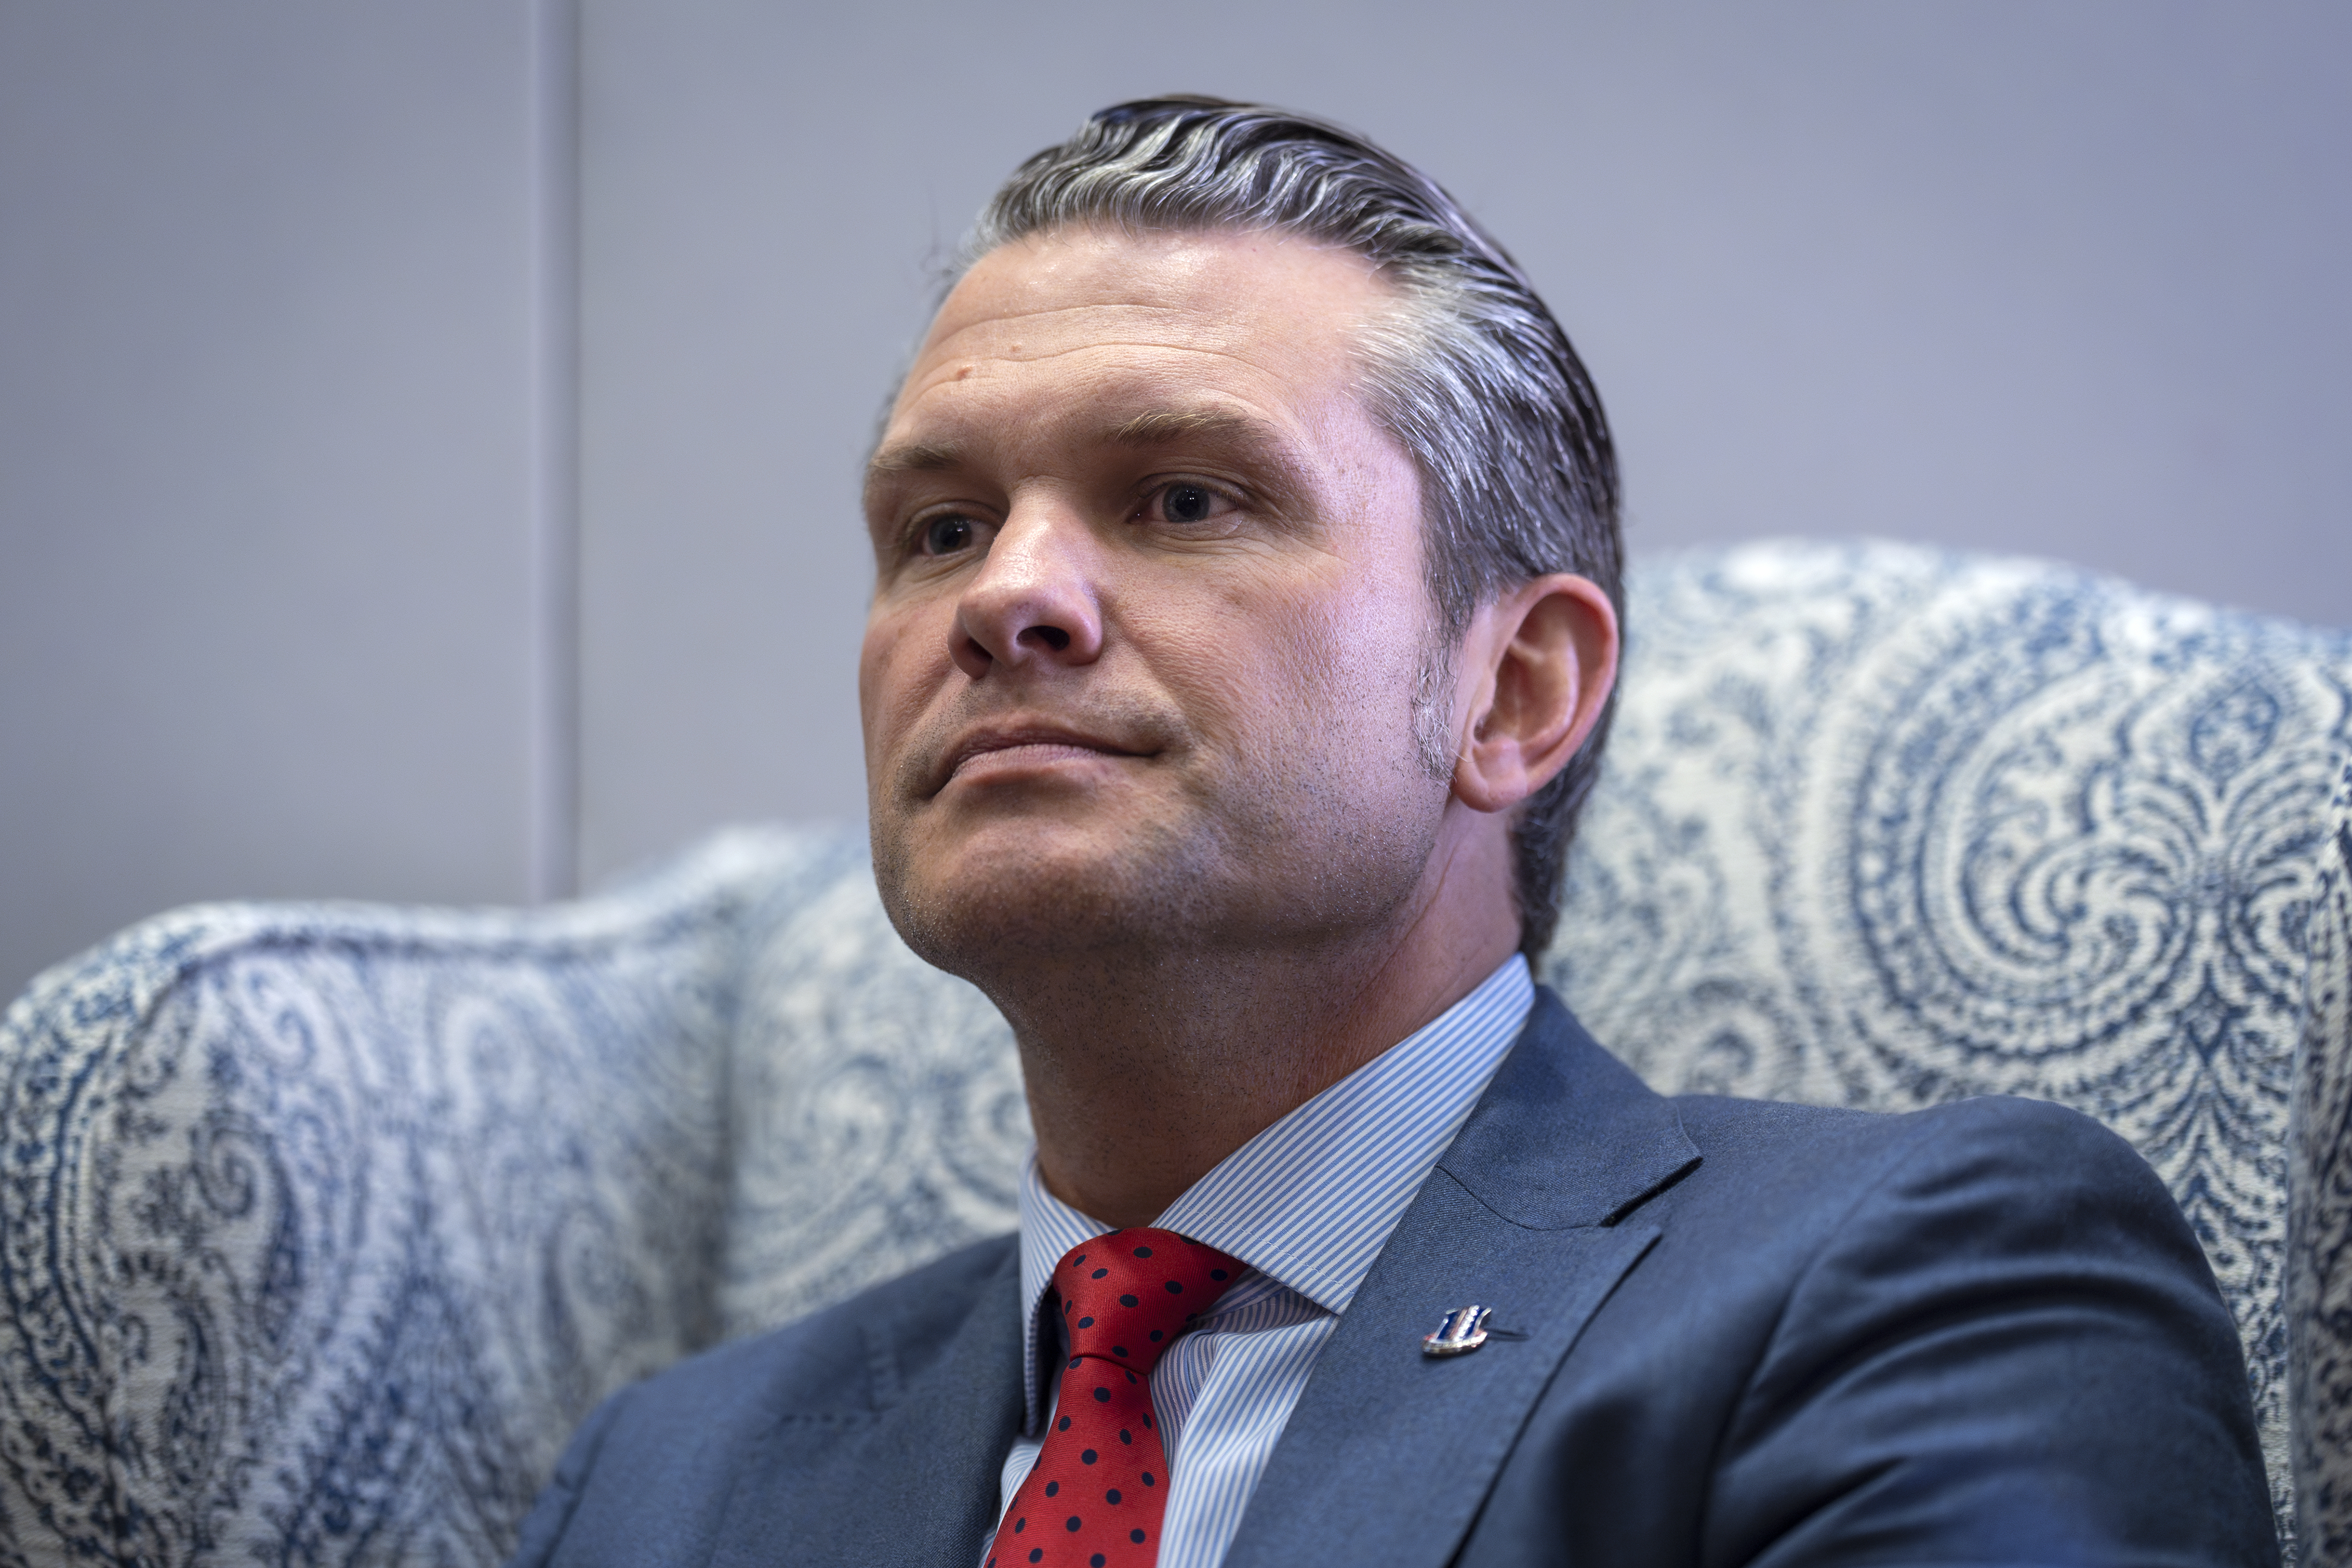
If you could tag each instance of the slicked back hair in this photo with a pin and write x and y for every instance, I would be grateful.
(1469, 373)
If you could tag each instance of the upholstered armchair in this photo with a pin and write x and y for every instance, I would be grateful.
(321, 1225)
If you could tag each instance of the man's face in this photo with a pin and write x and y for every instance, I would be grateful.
(1149, 609)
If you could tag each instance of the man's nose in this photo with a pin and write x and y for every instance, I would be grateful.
(1034, 601)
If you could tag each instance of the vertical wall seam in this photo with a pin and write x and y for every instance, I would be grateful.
(553, 816)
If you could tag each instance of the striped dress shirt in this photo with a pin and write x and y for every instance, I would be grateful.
(1308, 1204)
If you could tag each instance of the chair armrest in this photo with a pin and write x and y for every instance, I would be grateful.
(2319, 1213)
(321, 1225)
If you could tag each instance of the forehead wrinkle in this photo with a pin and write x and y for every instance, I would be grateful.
(952, 340)
(1092, 345)
(1010, 313)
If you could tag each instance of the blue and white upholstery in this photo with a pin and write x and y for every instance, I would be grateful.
(2319, 1210)
(320, 1225)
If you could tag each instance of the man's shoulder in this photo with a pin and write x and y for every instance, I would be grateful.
(1764, 1129)
(1820, 1144)
(1563, 1094)
(1978, 1183)
(649, 1476)
(845, 1359)
(1980, 1328)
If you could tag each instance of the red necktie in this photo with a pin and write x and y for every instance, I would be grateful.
(1094, 1498)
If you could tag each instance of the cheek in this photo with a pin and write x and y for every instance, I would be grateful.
(890, 688)
(1356, 636)
(1285, 667)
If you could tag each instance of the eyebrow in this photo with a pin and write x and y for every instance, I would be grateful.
(1159, 427)
(914, 457)
(1249, 438)
(1162, 427)
(1252, 441)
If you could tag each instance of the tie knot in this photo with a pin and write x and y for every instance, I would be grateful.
(1127, 1295)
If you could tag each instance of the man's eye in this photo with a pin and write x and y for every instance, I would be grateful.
(946, 536)
(1188, 503)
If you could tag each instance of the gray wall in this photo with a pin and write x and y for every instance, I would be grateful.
(288, 379)
(270, 387)
(2027, 278)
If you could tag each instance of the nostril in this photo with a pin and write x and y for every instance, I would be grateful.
(1053, 637)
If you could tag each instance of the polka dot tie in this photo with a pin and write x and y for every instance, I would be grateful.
(1094, 1498)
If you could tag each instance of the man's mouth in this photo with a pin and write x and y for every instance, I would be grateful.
(1015, 749)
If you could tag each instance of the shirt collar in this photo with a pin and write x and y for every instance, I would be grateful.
(1310, 1201)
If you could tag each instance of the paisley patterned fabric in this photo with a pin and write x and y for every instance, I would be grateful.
(319, 1226)
(876, 1111)
(1885, 827)
(2319, 1261)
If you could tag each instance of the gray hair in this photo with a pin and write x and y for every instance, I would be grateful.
(1470, 373)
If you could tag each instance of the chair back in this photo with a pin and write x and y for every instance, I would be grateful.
(321, 1225)
(1885, 827)
(2319, 1214)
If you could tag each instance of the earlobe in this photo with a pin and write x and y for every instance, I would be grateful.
(1539, 663)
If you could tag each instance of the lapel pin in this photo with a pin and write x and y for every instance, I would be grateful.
(1464, 1331)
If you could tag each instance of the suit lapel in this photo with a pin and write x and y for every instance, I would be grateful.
(916, 1483)
(1389, 1453)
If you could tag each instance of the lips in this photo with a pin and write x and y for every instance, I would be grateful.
(992, 746)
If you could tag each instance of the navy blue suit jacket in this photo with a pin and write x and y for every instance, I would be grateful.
(1738, 1332)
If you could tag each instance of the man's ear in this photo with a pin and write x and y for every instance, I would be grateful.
(1537, 667)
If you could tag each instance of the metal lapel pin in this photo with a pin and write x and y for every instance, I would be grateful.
(1464, 1331)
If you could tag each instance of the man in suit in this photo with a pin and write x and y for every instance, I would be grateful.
(1246, 624)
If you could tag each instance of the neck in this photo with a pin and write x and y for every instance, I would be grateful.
(1147, 1065)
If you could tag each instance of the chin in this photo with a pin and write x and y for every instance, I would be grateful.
(1012, 899)
(975, 899)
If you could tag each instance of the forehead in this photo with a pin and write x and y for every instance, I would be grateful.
(1271, 320)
